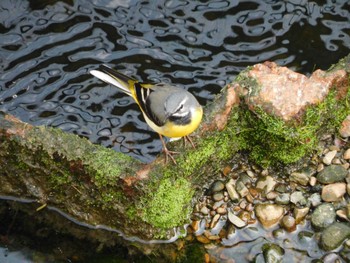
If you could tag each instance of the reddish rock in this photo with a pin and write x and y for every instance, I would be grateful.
(333, 192)
(286, 94)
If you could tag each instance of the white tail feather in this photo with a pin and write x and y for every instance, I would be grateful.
(110, 80)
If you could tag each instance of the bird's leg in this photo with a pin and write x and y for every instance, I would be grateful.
(188, 138)
(166, 151)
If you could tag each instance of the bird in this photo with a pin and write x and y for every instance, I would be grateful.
(169, 110)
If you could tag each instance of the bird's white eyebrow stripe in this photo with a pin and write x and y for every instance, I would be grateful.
(182, 102)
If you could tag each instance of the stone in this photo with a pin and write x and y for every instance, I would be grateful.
(333, 192)
(333, 258)
(323, 216)
(315, 199)
(266, 184)
(235, 220)
(230, 187)
(269, 214)
(221, 210)
(272, 195)
(348, 210)
(344, 130)
(242, 189)
(284, 93)
(298, 198)
(303, 176)
(195, 224)
(217, 186)
(283, 199)
(273, 253)
(288, 222)
(346, 154)
(328, 158)
(202, 239)
(313, 181)
(334, 235)
(218, 196)
(332, 174)
(214, 221)
(300, 213)
(204, 210)
(342, 213)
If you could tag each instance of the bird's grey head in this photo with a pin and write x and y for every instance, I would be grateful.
(179, 107)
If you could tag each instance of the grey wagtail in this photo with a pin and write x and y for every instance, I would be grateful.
(170, 111)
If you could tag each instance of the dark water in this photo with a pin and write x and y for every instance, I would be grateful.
(48, 47)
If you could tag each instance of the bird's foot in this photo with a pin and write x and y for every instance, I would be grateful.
(168, 154)
(188, 138)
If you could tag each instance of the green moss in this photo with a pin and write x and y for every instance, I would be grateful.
(104, 164)
(169, 204)
(272, 140)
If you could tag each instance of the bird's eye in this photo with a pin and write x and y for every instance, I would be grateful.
(180, 108)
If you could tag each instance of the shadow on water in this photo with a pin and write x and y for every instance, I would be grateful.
(47, 49)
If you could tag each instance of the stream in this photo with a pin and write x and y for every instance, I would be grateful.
(48, 47)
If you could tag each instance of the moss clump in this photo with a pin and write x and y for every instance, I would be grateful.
(167, 205)
(272, 140)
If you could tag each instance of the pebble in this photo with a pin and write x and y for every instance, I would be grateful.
(315, 199)
(302, 177)
(217, 186)
(203, 239)
(267, 184)
(195, 225)
(342, 213)
(320, 167)
(273, 253)
(221, 210)
(272, 195)
(323, 216)
(288, 222)
(298, 198)
(348, 210)
(344, 130)
(283, 199)
(332, 258)
(230, 187)
(218, 196)
(300, 213)
(333, 192)
(204, 210)
(241, 189)
(327, 159)
(346, 154)
(313, 181)
(214, 221)
(334, 235)
(332, 174)
(269, 214)
(235, 220)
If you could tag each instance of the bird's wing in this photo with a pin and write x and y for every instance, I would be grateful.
(143, 98)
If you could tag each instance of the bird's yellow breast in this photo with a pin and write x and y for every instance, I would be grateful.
(173, 130)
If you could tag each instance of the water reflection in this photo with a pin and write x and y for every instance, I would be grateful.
(48, 47)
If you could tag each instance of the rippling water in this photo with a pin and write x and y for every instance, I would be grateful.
(48, 47)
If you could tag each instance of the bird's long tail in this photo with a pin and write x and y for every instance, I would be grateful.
(114, 77)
